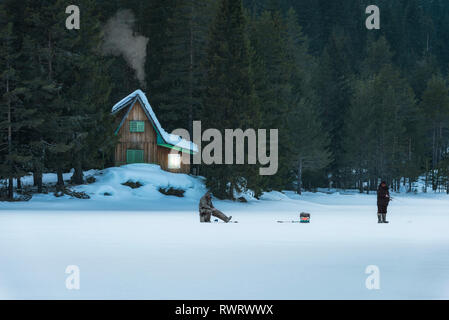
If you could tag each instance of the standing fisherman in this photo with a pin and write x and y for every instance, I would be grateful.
(383, 198)
(207, 209)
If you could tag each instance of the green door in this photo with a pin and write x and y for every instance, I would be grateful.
(134, 156)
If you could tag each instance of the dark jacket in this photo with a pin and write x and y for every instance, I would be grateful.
(383, 195)
(206, 205)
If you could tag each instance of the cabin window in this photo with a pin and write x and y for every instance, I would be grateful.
(174, 161)
(136, 126)
(134, 156)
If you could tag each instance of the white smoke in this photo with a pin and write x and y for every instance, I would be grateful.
(119, 39)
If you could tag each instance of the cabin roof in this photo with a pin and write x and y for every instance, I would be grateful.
(170, 139)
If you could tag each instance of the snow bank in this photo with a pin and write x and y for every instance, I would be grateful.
(109, 183)
(274, 196)
(49, 178)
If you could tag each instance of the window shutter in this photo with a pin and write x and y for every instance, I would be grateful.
(136, 126)
(132, 126)
(140, 126)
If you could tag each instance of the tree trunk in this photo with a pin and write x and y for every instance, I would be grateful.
(427, 177)
(50, 57)
(37, 178)
(434, 180)
(410, 149)
(191, 69)
(11, 180)
(60, 183)
(19, 183)
(300, 177)
(360, 181)
(11, 188)
(77, 177)
(60, 177)
(434, 148)
(34, 179)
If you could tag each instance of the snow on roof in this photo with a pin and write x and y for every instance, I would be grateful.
(168, 137)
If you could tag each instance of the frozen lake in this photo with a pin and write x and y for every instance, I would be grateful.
(133, 248)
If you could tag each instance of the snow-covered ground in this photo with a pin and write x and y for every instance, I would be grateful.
(140, 244)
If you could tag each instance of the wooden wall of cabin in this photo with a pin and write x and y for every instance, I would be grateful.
(146, 141)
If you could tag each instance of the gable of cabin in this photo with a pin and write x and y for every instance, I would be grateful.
(138, 140)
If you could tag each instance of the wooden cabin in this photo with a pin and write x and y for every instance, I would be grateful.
(143, 140)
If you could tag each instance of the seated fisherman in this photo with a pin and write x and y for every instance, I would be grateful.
(207, 209)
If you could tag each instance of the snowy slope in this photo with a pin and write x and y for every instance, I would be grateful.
(108, 191)
(137, 244)
(151, 176)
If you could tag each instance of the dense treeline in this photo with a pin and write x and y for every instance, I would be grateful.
(352, 105)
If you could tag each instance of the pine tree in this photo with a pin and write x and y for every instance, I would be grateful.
(67, 82)
(88, 101)
(333, 77)
(158, 14)
(228, 102)
(44, 53)
(309, 143)
(13, 116)
(435, 107)
(381, 127)
(268, 35)
(16, 116)
(177, 92)
(288, 103)
(359, 142)
(309, 150)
